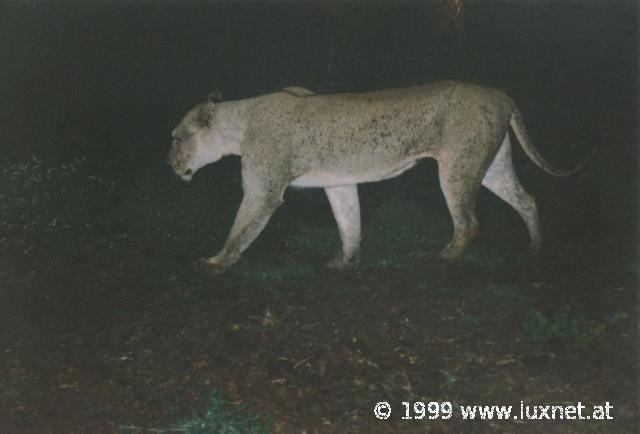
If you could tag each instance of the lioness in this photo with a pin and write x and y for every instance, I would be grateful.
(294, 137)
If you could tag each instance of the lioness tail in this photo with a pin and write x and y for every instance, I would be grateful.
(517, 124)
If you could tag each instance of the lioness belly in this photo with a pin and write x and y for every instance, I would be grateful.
(324, 178)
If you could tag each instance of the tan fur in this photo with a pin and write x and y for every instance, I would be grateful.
(338, 141)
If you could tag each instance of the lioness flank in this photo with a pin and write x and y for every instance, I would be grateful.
(336, 142)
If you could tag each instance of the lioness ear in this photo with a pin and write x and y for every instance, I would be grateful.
(215, 96)
(206, 113)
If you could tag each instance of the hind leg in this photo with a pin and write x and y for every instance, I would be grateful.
(501, 179)
(462, 166)
(460, 181)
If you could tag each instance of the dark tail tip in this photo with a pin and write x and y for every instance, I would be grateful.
(585, 160)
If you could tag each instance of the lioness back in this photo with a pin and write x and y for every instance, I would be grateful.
(356, 132)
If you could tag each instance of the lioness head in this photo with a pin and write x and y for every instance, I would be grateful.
(194, 144)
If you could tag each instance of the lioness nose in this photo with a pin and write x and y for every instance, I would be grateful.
(188, 172)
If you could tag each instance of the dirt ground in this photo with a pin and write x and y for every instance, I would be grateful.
(97, 344)
(105, 327)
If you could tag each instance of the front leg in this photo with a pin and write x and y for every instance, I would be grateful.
(253, 214)
(346, 209)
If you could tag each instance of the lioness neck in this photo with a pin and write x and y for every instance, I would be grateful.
(231, 125)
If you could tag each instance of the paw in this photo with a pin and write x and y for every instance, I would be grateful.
(210, 266)
(535, 248)
(441, 264)
(449, 254)
(445, 260)
(342, 262)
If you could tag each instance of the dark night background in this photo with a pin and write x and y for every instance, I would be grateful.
(87, 252)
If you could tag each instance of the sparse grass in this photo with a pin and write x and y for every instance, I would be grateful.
(504, 291)
(618, 317)
(449, 381)
(220, 417)
(563, 324)
(471, 321)
(47, 198)
(150, 209)
(396, 236)
(634, 266)
(487, 254)
(324, 239)
(401, 224)
(256, 272)
(399, 234)
(80, 202)
(390, 261)
(182, 215)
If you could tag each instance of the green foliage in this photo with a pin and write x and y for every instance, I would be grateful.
(220, 417)
(449, 380)
(564, 324)
(471, 321)
(618, 317)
